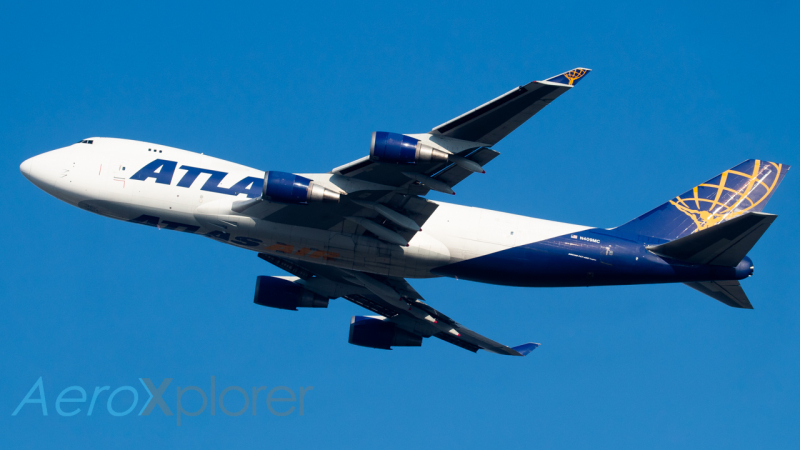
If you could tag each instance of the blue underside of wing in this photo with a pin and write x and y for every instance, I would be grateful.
(524, 349)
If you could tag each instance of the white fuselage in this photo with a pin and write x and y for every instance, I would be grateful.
(96, 177)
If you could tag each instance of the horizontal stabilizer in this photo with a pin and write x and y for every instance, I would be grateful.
(725, 244)
(728, 292)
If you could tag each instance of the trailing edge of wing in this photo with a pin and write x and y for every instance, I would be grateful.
(496, 119)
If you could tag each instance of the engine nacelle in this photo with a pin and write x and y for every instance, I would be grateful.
(290, 188)
(284, 294)
(400, 149)
(377, 332)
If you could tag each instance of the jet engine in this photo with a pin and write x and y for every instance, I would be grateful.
(284, 294)
(400, 149)
(377, 332)
(290, 188)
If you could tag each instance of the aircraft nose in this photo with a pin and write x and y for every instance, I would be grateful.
(25, 167)
(42, 170)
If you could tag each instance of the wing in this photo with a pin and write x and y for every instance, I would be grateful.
(382, 193)
(468, 136)
(496, 119)
(395, 300)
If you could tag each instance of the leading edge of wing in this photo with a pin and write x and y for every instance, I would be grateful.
(497, 118)
(473, 341)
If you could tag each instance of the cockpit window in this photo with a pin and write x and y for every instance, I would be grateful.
(86, 141)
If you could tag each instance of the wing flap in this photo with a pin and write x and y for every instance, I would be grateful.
(392, 174)
(447, 337)
(350, 168)
(454, 174)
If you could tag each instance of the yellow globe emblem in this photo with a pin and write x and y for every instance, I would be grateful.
(735, 194)
(575, 74)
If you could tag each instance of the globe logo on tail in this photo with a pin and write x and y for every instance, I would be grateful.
(746, 187)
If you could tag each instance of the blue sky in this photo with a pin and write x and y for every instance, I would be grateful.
(678, 94)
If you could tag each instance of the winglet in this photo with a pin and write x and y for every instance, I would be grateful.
(570, 78)
(524, 349)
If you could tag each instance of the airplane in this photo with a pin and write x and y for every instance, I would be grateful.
(359, 231)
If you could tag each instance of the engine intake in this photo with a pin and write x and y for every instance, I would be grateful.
(400, 149)
(377, 332)
(290, 188)
(284, 294)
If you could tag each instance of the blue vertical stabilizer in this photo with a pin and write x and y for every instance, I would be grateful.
(742, 189)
